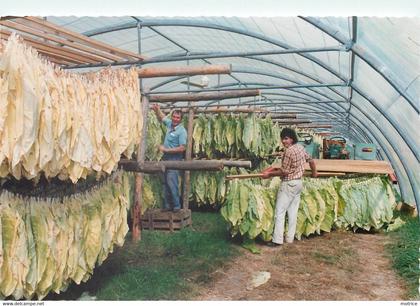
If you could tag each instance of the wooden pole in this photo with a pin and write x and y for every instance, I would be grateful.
(153, 72)
(217, 110)
(203, 96)
(145, 167)
(188, 157)
(315, 126)
(290, 121)
(192, 165)
(237, 163)
(281, 116)
(141, 153)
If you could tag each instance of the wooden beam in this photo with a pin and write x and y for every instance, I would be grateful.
(188, 157)
(153, 72)
(290, 121)
(257, 175)
(237, 163)
(315, 126)
(234, 110)
(211, 165)
(53, 49)
(204, 96)
(353, 166)
(192, 165)
(327, 133)
(217, 110)
(104, 57)
(76, 37)
(349, 166)
(281, 116)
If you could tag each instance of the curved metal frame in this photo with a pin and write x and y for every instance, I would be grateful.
(322, 27)
(362, 54)
(259, 36)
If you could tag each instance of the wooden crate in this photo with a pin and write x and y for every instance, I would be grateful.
(155, 219)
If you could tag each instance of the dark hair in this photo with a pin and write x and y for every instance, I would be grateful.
(288, 132)
(177, 111)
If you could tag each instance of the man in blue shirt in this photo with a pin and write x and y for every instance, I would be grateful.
(173, 148)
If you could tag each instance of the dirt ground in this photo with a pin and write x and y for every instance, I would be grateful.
(335, 266)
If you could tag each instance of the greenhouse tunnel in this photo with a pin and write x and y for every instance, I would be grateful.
(358, 74)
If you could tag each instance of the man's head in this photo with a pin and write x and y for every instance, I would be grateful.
(288, 137)
(176, 117)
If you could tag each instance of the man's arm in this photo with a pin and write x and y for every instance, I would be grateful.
(158, 112)
(313, 168)
(271, 171)
(179, 149)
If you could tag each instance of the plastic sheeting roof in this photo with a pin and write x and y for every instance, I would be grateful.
(374, 75)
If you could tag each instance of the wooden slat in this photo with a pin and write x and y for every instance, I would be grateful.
(256, 175)
(103, 57)
(350, 166)
(55, 59)
(57, 30)
(78, 56)
(47, 54)
(52, 55)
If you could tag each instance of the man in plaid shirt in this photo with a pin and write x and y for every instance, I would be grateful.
(288, 197)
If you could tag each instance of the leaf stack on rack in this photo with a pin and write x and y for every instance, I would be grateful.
(63, 124)
(152, 192)
(352, 203)
(219, 137)
(47, 243)
(68, 127)
(230, 136)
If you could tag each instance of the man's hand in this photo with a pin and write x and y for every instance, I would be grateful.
(158, 112)
(266, 175)
(162, 149)
(155, 107)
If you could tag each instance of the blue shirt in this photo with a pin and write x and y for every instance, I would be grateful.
(174, 137)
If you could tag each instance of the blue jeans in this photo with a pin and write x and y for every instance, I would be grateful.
(170, 189)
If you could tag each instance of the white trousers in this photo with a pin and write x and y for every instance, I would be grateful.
(288, 199)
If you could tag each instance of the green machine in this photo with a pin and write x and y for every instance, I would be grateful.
(307, 141)
(337, 148)
(365, 151)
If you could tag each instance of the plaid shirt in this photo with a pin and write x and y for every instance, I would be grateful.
(293, 162)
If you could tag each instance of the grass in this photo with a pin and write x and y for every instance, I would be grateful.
(405, 253)
(163, 265)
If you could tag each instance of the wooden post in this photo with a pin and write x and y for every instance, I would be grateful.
(188, 157)
(203, 96)
(141, 152)
(153, 72)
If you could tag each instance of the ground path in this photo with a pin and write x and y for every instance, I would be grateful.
(334, 266)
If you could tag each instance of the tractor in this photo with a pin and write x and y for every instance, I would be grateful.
(311, 147)
(335, 148)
